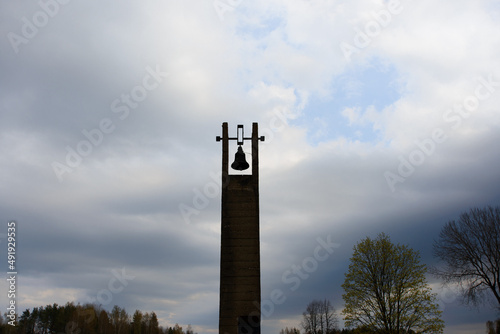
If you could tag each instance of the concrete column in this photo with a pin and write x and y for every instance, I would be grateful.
(240, 293)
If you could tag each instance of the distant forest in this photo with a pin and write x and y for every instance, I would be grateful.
(86, 319)
(91, 319)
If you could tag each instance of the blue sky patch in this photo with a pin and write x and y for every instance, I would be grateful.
(258, 30)
(375, 86)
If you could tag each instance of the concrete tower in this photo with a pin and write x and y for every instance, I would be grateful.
(239, 309)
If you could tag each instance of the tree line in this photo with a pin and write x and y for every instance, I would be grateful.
(385, 288)
(87, 319)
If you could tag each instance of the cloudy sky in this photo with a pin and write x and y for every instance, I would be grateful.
(379, 117)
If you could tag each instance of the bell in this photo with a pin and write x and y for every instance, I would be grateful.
(240, 163)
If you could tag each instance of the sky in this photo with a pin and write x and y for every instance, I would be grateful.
(379, 116)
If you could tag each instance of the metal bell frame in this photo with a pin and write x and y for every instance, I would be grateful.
(240, 162)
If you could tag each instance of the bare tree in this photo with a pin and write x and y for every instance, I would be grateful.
(310, 320)
(319, 318)
(330, 320)
(470, 250)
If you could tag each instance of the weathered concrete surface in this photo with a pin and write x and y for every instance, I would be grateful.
(240, 254)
